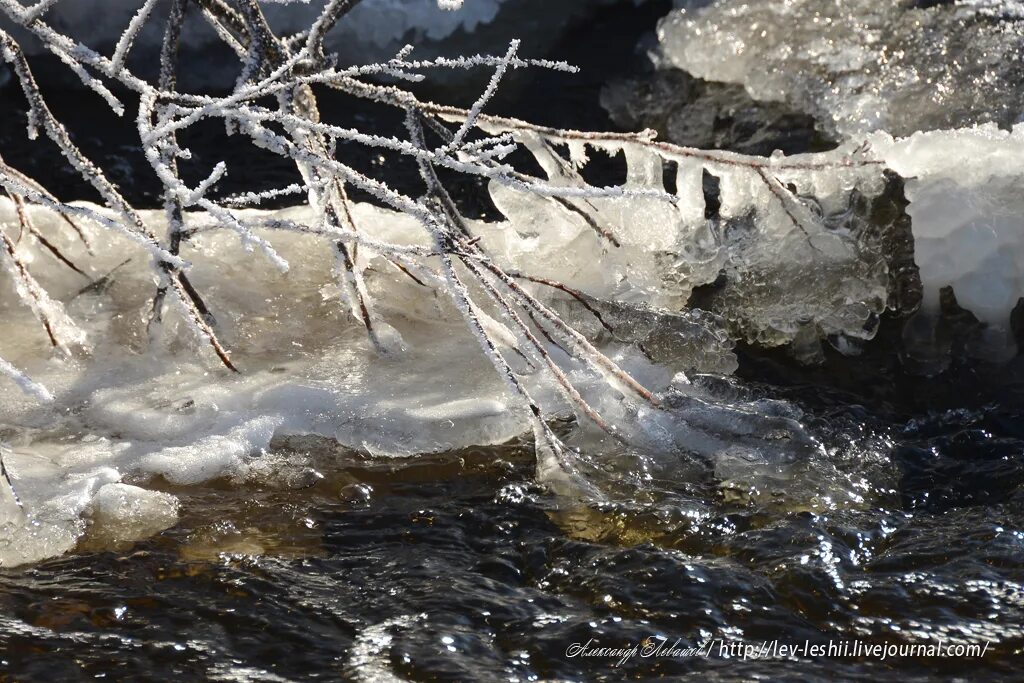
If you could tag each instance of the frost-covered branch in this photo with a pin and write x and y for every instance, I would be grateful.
(273, 106)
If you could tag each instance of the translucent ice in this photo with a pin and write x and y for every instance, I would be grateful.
(968, 221)
(862, 65)
(157, 409)
(784, 244)
(899, 69)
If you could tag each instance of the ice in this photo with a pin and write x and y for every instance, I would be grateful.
(121, 513)
(695, 250)
(55, 484)
(776, 250)
(859, 65)
(780, 260)
(155, 407)
(149, 409)
(965, 205)
(874, 71)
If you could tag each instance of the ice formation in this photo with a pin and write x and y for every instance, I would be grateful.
(964, 188)
(783, 245)
(626, 266)
(899, 69)
(182, 358)
(860, 65)
(139, 408)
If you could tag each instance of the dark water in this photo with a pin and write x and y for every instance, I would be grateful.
(457, 567)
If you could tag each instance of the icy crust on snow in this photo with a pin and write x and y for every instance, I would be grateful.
(861, 65)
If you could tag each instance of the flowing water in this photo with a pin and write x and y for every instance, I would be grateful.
(456, 567)
(904, 525)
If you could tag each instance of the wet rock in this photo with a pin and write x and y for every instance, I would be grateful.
(696, 113)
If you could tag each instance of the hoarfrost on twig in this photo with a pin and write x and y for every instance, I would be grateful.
(273, 106)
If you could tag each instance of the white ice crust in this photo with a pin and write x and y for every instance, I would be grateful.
(162, 408)
(967, 213)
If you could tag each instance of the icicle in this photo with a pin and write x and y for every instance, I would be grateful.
(643, 168)
(556, 470)
(578, 153)
(690, 190)
(553, 165)
(742, 191)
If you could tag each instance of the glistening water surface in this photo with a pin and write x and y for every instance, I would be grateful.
(332, 565)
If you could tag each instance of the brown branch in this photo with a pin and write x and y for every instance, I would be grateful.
(193, 303)
(30, 288)
(782, 194)
(575, 294)
(588, 219)
(200, 320)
